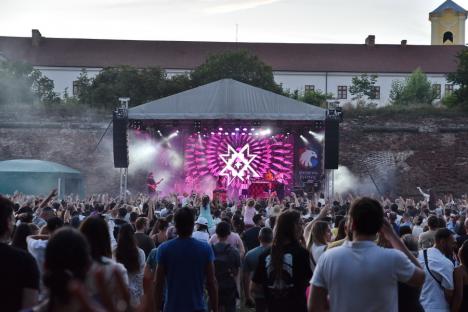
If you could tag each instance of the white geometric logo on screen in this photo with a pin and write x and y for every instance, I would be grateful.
(238, 164)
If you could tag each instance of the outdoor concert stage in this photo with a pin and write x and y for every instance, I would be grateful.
(232, 140)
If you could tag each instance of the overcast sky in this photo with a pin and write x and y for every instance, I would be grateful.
(311, 21)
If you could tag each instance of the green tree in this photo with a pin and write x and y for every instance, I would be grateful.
(122, 81)
(83, 86)
(21, 84)
(239, 65)
(396, 92)
(43, 87)
(416, 89)
(317, 98)
(460, 79)
(363, 86)
(177, 83)
(15, 83)
(292, 94)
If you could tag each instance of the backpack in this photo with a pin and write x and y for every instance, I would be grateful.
(224, 268)
(283, 287)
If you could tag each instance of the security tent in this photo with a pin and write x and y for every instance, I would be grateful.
(31, 176)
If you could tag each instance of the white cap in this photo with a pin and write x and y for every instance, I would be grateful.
(202, 221)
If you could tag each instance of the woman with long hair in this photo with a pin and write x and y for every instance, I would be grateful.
(159, 232)
(19, 237)
(97, 233)
(284, 272)
(133, 258)
(320, 236)
(205, 212)
(341, 234)
(67, 259)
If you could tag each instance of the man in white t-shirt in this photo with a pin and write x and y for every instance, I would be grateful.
(438, 286)
(359, 275)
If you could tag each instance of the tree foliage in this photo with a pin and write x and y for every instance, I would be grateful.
(363, 86)
(143, 85)
(122, 81)
(460, 79)
(239, 65)
(415, 90)
(317, 98)
(21, 84)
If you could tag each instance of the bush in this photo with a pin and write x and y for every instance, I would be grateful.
(450, 101)
(415, 90)
(317, 98)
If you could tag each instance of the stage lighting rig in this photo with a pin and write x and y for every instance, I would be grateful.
(335, 111)
(197, 127)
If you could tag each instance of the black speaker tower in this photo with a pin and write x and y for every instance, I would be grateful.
(332, 143)
(120, 138)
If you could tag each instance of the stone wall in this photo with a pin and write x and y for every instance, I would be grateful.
(399, 152)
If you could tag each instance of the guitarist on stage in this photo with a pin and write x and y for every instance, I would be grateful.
(152, 184)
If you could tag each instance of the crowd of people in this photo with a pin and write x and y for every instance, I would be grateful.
(185, 252)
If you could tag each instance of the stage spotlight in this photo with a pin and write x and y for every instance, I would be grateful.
(212, 133)
(237, 129)
(265, 132)
(318, 136)
(225, 133)
(250, 133)
(253, 129)
(304, 139)
(245, 129)
(220, 129)
(232, 133)
(219, 133)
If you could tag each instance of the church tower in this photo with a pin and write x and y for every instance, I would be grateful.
(448, 24)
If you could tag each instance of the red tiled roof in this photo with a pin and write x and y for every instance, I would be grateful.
(189, 54)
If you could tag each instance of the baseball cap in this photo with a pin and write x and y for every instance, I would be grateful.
(202, 221)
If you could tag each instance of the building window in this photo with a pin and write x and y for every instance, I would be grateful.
(76, 88)
(448, 89)
(309, 88)
(448, 36)
(342, 92)
(376, 93)
(436, 89)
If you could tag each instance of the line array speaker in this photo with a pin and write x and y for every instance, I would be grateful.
(332, 143)
(120, 139)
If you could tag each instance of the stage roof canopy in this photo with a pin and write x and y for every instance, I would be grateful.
(227, 99)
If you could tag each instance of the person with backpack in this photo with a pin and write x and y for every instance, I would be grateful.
(284, 271)
(437, 291)
(227, 264)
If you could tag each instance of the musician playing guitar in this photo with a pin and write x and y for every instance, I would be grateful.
(152, 184)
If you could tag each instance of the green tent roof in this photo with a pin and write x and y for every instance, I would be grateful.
(34, 165)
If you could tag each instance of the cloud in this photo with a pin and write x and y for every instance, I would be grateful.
(228, 6)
